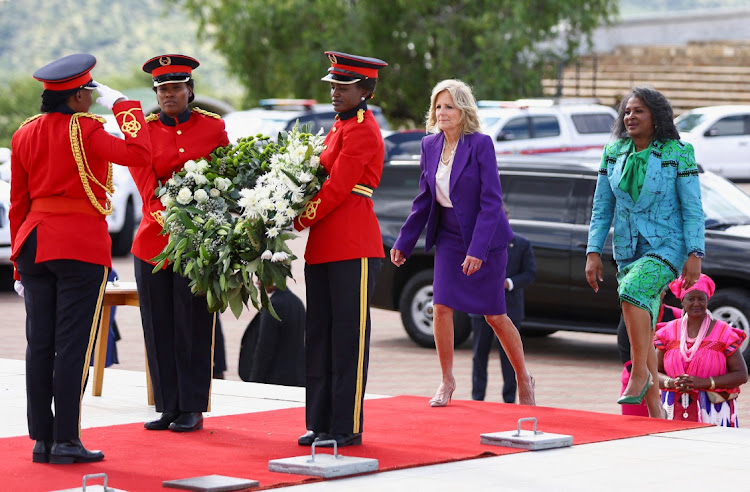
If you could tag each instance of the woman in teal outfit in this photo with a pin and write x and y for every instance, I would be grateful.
(648, 185)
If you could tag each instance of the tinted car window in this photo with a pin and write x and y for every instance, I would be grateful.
(688, 121)
(326, 121)
(731, 125)
(593, 123)
(538, 198)
(519, 127)
(545, 126)
(308, 119)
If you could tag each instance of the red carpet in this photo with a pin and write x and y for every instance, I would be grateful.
(400, 432)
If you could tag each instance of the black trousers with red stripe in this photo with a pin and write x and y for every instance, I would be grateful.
(337, 343)
(63, 311)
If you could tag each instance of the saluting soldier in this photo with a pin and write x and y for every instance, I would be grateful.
(177, 327)
(342, 257)
(61, 176)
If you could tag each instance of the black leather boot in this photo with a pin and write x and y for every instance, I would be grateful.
(187, 422)
(67, 452)
(162, 423)
(41, 452)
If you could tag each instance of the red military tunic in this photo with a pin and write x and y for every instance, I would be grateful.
(194, 134)
(45, 170)
(343, 225)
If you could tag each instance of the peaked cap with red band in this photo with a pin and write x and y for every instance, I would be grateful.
(166, 69)
(348, 69)
(69, 72)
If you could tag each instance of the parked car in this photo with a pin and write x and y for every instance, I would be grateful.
(721, 138)
(276, 115)
(5, 164)
(550, 203)
(4, 223)
(543, 126)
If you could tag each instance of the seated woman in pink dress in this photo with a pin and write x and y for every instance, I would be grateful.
(700, 366)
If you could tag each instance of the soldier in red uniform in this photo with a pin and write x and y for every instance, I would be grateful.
(342, 257)
(61, 175)
(177, 327)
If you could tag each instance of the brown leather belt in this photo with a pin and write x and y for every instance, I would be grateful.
(65, 205)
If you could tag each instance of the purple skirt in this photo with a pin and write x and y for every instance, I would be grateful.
(480, 293)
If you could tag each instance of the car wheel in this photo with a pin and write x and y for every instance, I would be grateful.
(123, 240)
(415, 305)
(733, 307)
(416, 309)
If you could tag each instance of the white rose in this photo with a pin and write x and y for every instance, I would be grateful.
(222, 184)
(267, 255)
(202, 166)
(305, 177)
(200, 179)
(185, 196)
(214, 193)
(171, 182)
(167, 200)
(190, 166)
(200, 195)
(279, 256)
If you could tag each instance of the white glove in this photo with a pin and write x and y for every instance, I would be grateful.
(108, 96)
(18, 287)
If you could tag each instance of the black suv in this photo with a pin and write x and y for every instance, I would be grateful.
(549, 200)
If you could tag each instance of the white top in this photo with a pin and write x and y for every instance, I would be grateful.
(443, 179)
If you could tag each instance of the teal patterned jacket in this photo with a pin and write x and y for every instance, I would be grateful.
(668, 213)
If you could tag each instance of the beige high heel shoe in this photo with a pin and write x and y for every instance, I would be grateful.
(443, 395)
(532, 400)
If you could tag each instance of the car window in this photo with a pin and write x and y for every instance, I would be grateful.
(593, 123)
(326, 121)
(518, 127)
(728, 126)
(307, 119)
(723, 202)
(534, 197)
(403, 145)
(688, 121)
(545, 126)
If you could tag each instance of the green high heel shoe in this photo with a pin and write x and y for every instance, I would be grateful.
(635, 400)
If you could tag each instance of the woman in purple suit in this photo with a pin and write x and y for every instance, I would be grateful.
(460, 202)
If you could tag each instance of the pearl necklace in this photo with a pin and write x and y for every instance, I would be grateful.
(445, 162)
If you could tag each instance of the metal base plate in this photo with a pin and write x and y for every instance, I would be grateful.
(527, 440)
(92, 488)
(212, 483)
(324, 465)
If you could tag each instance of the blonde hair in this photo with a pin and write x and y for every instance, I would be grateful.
(464, 100)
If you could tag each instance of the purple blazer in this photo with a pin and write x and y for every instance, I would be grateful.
(474, 191)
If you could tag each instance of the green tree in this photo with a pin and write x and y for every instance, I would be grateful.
(500, 47)
(20, 100)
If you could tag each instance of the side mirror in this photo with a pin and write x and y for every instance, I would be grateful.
(504, 136)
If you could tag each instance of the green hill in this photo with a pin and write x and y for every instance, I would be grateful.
(122, 34)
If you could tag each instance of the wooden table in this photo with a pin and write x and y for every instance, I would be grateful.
(120, 294)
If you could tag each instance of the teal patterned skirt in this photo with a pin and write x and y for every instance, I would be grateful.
(642, 279)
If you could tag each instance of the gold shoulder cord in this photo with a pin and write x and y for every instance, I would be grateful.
(84, 171)
(206, 113)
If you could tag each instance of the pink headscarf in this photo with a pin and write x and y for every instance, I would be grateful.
(704, 284)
